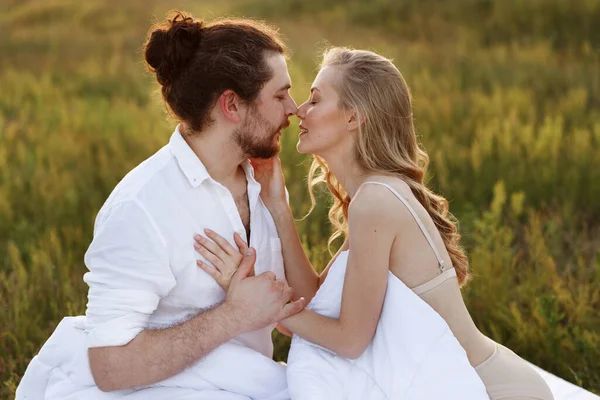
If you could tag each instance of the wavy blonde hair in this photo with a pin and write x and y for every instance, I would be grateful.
(373, 87)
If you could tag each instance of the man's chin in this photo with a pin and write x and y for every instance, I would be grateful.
(265, 154)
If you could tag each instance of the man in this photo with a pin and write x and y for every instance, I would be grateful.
(156, 325)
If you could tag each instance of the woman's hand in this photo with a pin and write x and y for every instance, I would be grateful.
(225, 259)
(283, 330)
(269, 174)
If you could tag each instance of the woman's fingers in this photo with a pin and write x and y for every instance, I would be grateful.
(213, 259)
(292, 308)
(224, 257)
(283, 330)
(204, 243)
(208, 269)
(277, 164)
(240, 242)
(219, 240)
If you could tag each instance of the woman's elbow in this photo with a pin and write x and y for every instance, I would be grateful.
(354, 349)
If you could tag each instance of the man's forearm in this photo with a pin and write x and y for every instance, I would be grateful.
(155, 355)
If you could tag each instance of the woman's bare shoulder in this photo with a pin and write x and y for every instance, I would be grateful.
(379, 202)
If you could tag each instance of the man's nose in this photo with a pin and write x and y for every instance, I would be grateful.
(293, 108)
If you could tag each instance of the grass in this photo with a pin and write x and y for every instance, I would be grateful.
(506, 97)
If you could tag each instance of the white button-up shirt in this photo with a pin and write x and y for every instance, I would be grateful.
(142, 263)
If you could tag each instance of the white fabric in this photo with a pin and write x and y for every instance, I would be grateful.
(563, 390)
(143, 274)
(413, 355)
(232, 371)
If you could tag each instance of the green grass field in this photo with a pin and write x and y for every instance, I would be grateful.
(506, 101)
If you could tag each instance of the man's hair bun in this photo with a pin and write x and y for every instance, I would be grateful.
(171, 45)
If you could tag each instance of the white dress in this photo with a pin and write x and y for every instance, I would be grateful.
(413, 355)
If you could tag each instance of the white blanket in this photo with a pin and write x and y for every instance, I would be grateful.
(563, 390)
(231, 372)
(413, 355)
(45, 380)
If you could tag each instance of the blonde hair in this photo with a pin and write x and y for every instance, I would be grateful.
(373, 87)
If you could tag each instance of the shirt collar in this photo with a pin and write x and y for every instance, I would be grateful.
(188, 161)
(193, 168)
(249, 170)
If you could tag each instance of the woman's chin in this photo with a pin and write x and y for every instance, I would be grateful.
(302, 148)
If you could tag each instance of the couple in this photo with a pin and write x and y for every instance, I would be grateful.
(195, 257)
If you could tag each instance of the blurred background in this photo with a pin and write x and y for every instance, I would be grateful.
(506, 101)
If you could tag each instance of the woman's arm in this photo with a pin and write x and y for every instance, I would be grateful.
(371, 239)
(372, 235)
(299, 272)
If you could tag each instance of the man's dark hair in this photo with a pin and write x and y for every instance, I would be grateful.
(195, 62)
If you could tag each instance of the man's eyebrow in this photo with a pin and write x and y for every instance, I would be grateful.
(286, 87)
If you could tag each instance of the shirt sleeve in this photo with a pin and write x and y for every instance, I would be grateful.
(128, 274)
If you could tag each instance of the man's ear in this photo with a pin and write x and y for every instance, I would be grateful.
(354, 120)
(230, 106)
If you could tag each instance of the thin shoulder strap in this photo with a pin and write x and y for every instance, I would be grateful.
(414, 214)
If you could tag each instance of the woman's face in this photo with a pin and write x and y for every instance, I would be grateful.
(323, 125)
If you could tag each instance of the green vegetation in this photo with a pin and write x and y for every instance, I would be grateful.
(506, 100)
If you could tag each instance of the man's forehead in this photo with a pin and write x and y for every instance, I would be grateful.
(281, 77)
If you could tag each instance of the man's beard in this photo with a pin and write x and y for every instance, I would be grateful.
(246, 137)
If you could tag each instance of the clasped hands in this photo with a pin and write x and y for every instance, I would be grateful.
(257, 300)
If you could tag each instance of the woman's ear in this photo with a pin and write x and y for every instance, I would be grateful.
(230, 106)
(355, 119)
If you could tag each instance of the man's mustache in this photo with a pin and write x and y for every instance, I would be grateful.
(285, 124)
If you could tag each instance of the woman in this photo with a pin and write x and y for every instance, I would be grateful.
(358, 124)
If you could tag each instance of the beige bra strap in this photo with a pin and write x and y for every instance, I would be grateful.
(438, 280)
(414, 214)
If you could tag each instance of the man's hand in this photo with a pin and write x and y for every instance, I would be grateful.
(253, 302)
(259, 301)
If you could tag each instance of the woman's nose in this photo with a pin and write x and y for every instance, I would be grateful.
(301, 110)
